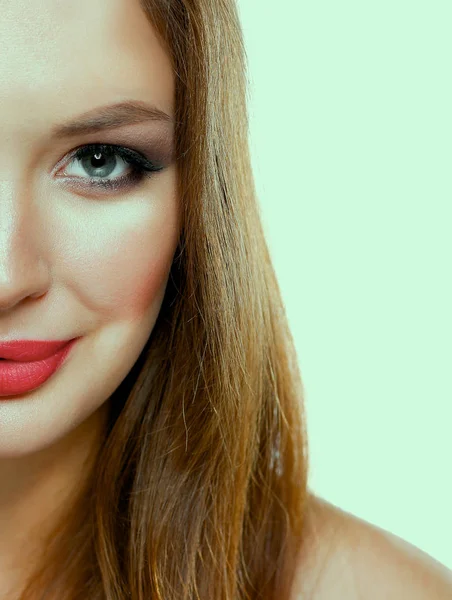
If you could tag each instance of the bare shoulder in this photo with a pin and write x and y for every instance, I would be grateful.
(344, 556)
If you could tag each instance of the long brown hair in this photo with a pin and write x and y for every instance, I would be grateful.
(199, 489)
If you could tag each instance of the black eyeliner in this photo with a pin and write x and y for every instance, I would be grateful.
(135, 158)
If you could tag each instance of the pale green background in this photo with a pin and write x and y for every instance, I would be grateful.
(351, 142)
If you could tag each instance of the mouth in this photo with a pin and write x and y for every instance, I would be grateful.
(30, 350)
(30, 365)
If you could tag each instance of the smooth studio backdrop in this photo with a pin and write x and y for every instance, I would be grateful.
(351, 134)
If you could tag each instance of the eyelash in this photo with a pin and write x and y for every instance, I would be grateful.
(140, 166)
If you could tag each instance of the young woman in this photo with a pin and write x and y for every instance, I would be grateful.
(152, 432)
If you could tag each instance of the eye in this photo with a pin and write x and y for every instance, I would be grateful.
(108, 167)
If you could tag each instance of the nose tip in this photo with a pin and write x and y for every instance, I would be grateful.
(23, 285)
(37, 295)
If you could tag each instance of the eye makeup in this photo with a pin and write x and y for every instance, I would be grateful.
(145, 152)
(139, 166)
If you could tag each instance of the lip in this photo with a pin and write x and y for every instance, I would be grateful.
(30, 363)
(29, 350)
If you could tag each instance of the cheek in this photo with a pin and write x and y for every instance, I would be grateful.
(133, 276)
(120, 266)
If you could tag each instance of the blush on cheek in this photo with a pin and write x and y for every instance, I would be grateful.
(122, 259)
(135, 283)
(148, 292)
(137, 272)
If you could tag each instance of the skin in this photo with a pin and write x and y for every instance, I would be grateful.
(73, 261)
(346, 557)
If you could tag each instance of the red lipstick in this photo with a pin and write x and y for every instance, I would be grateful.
(27, 364)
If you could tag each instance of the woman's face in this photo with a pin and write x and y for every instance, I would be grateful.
(79, 259)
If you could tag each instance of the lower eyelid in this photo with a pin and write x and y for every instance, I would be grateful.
(104, 187)
(101, 189)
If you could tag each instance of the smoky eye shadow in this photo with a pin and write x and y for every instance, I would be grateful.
(158, 146)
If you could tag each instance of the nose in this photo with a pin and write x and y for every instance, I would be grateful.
(23, 271)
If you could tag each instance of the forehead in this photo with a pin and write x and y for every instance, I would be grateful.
(66, 57)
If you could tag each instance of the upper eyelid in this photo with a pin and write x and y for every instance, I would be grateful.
(72, 153)
(121, 151)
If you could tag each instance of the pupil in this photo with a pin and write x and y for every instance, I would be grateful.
(98, 157)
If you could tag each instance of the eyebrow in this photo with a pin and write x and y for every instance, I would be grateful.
(110, 117)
